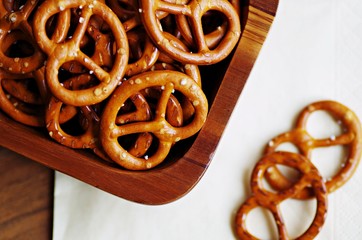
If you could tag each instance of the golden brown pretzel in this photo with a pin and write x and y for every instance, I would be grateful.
(261, 197)
(217, 29)
(23, 89)
(29, 115)
(59, 53)
(194, 10)
(136, 110)
(190, 69)
(166, 134)
(88, 120)
(16, 22)
(99, 40)
(143, 53)
(174, 112)
(351, 138)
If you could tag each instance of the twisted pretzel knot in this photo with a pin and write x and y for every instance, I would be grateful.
(194, 11)
(60, 53)
(158, 126)
(15, 22)
(271, 201)
(351, 138)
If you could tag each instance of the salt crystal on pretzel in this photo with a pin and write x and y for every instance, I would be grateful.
(161, 129)
(261, 197)
(60, 53)
(194, 10)
(351, 139)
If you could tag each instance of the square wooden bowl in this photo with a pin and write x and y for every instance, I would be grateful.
(187, 163)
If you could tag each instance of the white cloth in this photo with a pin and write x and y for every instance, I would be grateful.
(313, 52)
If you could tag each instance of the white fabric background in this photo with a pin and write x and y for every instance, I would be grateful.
(313, 52)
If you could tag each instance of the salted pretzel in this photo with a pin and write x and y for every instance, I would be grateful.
(60, 53)
(23, 89)
(190, 69)
(351, 139)
(88, 120)
(124, 9)
(136, 109)
(261, 197)
(14, 22)
(194, 10)
(187, 109)
(158, 126)
(31, 115)
(99, 40)
(143, 53)
(216, 29)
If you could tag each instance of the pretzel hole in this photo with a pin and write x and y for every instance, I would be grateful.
(298, 215)
(322, 125)
(28, 109)
(261, 224)
(329, 160)
(145, 150)
(25, 90)
(13, 5)
(76, 126)
(212, 21)
(19, 48)
(137, 41)
(287, 147)
(290, 174)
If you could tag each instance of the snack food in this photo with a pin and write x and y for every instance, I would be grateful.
(310, 176)
(164, 133)
(351, 139)
(60, 53)
(89, 56)
(15, 27)
(201, 53)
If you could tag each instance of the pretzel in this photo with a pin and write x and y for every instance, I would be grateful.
(15, 21)
(23, 90)
(59, 53)
(125, 10)
(88, 119)
(166, 134)
(174, 113)
(213, 35)
(15, 108)
(299, 136)
(142, 112)
(261, 197)
(143, 53)
(194, 10)
(98, 33)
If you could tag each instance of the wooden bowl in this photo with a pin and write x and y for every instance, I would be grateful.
(187, 162)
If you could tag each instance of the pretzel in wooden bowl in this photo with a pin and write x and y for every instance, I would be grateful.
(18, 102)
(19, 53)
(261, 197)
(164, 134)
(351, 139)
(69, 50)
(194, 10)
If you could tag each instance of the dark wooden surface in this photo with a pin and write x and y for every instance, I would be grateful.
(26, 186)
(26, 198)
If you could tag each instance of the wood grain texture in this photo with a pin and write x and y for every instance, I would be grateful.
(181, 172)
(26, 190)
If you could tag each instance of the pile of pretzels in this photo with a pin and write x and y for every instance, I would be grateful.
(119, 77)
(309, 183)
